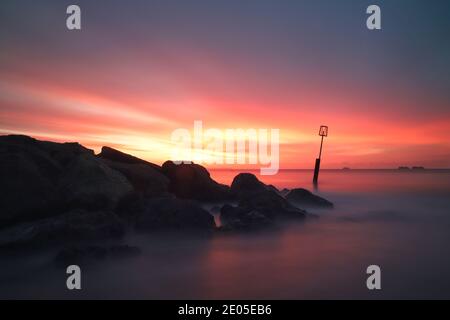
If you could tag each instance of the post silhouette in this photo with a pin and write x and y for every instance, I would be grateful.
(323, 132)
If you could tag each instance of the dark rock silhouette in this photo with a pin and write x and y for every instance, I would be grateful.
(30, 171)
(164, 212)
(257, 210)
(247, 183)
(271, 204)
(89, 183)
(305, 198)
(146, 178)
(254, 194)
(74, 226)
(42, 179)
(172, 213)
(192, 181)
(259, 205)
(63, 153)
(62, 193)
(118, 156)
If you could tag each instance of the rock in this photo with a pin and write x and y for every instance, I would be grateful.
(117, 156)
(247, 183)
(63, 153)
(258, 208)
(89, 183)
(271, 204)
(24, 190)
(80, 255)
(27, 183)
(144, 178)
(254, 195)
(240, 218)
(259, 205)
(171, 213)
(74, 226)
(130, 206)
(305, 198)
(41, 179)
(192, 181)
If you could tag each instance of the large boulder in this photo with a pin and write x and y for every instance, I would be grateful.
(118, 156)
(24, 189)
(305, 198)
(28, 175)
(145, 177)
(247, 183)
(31, 172)
(63, 153)
(259, 205)
(87, 182)
(192, 181)
(74, 226)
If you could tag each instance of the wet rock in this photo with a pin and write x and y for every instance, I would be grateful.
(172, 213)
(305, 198)
(81, 255)
(89, 183)
(240, 218)
(259, 209)
(247, 183)
(63, 153)
(271, 204)
(24, 189)
(74, 226)
(259, 205)
(144, 178)
(27, 183)
(192, 181)
(111, 154)
(40, 179)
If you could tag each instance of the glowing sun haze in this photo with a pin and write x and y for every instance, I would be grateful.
(138, 70)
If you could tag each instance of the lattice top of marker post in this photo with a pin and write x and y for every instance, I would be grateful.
(323, 131)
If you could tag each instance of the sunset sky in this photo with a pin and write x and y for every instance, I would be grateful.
(140, 69)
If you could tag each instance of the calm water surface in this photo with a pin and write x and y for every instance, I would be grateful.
(397, 220)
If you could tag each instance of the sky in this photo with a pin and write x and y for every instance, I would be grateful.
(138, 70)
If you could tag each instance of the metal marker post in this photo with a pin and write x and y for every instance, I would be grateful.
(323, 132)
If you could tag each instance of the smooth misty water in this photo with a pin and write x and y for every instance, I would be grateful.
(397, 220)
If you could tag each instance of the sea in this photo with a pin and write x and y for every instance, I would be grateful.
(397, 220)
